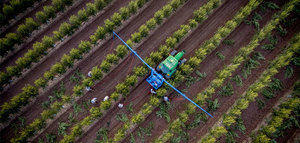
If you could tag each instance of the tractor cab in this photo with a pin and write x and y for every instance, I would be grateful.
(170, 64)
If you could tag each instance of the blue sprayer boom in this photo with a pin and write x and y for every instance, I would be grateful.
(156, 80)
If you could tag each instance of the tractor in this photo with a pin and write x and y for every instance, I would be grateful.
(169, 66)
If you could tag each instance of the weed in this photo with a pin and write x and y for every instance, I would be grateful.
(200, 75)
(213, 105)
(238, 80)
(226, 90)
(229, 42)
(163, 112)
(260, 104)
(220, 56)
(122, 117)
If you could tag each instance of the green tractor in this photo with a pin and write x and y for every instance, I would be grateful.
(169, 66)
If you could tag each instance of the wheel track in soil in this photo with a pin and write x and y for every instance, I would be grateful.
(28, 114)
(212, 59)
(255, 73)
(73, 41)
(46, 30)
(137, 93)
(130, 28)
(14, 26)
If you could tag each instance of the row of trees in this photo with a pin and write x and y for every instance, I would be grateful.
(122, 89)
(24, 30)
(40, 48)
(279, 115)
(66, 62)
(252, 92)
(13, 8)
(200, 54)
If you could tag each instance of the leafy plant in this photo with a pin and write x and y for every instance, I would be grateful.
(220, 55)
(239, 125)
(71, 118)
(213, 105)
(229, 42)
(51, 138)
(260, 103)
(288, 73)
(102, 135)
(238, 80)
(129, 108)
(122, 117)
(46, 105)
(163, 112)
(77, 108)
(62, 126)
(199, 117)
(200, 75)
(226, 90)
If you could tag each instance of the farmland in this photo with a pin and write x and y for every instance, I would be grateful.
(242, 67)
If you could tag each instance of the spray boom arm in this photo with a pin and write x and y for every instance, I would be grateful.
(152, 70)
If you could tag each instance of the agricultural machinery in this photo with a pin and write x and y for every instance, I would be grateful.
(167, 68)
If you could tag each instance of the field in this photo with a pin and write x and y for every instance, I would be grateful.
(243, 59)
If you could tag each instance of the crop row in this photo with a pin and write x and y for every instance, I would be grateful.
(40, 49)
(68, 60)
(225, 73)
(154, 101)
(56, 106)
(279, 115)
(159, 16)
(24, 30)
(252, 92)
(14, 8)
(185, 70)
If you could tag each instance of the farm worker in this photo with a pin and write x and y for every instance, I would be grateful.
(89, 74)
(88, 88)
(152, 91)
(94, 100)
(166, 99)
(105, 98)
(120, 105)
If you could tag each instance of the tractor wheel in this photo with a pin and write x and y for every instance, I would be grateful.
(157, 68)
(173, 52)
(182, 61)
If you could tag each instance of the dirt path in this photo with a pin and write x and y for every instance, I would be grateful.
(65, 47)
(47, 30)
(210, 65)
(13, 28)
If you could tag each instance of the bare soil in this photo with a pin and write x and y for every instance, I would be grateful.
(47, 31)
(65, 47)
(211, 64)
(13, 28)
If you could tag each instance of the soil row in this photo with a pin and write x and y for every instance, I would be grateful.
(46, 30)
(71, 42)
(139, 94)
(129, 29)
(12, 27)
(210, 65)
(113, 77)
